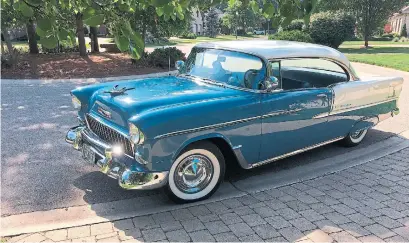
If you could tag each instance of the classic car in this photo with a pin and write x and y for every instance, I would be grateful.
(244, 102)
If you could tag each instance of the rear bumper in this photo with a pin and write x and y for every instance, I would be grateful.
(133, 177)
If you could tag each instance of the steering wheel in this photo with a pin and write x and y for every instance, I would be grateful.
(249, 78)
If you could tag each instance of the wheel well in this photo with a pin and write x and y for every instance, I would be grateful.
(229, 156)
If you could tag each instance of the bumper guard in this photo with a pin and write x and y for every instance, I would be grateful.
(111, 165)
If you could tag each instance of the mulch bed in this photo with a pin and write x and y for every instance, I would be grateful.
(71, 65)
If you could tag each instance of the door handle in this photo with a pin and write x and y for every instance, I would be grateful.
(322, 96)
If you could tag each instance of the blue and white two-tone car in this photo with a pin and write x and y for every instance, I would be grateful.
(245, 102)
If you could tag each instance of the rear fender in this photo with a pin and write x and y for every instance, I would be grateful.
(365, 124)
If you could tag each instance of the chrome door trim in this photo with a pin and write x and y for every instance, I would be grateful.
(293, 153)
(198, 129)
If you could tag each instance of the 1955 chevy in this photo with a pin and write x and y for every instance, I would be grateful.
(245, 102)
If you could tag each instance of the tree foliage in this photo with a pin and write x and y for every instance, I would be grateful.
(369, 14)
(238, 16)
(331, 28)
(61, 20)
(211, 23)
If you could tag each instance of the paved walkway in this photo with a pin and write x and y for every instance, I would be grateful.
(369, 202)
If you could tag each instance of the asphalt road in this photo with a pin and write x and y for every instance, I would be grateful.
(39, 171)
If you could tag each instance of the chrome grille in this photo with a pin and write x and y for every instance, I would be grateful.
(109, 135)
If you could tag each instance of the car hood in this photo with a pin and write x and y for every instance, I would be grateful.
(153, 93)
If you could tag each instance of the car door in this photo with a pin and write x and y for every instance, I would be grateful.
(293, 119)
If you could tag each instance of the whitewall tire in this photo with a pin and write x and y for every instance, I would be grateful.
(354, 138)
(196, 173)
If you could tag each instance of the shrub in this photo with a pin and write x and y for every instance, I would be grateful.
(160, 57)
(295, 25)
(64, 46)
(189, 36)
(395, 39)
(293, 35)
(404, 32)
(331, 28)
(388, 35)
(404, 39)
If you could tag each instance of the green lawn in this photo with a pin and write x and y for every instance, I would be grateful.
(373, 43)
(393, 57)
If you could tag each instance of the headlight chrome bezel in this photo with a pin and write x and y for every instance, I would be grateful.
(136, 136)
(76, 103)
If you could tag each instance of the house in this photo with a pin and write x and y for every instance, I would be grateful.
(198, 20)
(399, 19)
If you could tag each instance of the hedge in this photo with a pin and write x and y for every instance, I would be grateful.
(292, 35)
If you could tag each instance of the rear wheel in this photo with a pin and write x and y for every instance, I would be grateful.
(355, 138)
(196, 173)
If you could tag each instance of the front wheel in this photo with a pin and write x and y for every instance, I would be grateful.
(196, 173)
(355, 138)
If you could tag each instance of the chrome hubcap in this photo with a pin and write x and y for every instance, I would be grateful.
(193, 173)
(357, 134)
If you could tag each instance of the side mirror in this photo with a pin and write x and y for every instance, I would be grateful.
(271, 84)
(180, 65)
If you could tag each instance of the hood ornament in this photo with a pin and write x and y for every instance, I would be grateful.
(115, 91)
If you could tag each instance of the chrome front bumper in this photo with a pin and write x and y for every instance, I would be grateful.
(134, 178)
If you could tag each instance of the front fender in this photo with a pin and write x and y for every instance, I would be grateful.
(200, 138)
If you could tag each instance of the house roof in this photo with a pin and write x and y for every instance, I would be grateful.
(271, 49)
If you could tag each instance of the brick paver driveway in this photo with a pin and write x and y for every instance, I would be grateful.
(369, 202)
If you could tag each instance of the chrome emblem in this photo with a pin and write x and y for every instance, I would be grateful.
(103, 112)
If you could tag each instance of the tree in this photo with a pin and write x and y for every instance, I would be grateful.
(369, 14)
(32, 38)
(238, 16)
(211, 23)
(118, 14)
(372, 13)
(404, 32)
(10, 18)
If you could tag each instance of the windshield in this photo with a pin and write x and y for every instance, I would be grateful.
(229, 67)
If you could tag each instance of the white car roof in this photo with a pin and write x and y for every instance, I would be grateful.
(272, 49)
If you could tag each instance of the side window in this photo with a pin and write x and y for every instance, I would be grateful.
(310, 73)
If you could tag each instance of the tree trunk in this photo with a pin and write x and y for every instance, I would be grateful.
(94, 39)
(2, 47)
(31, 34)
(366, 42)
(80, 34)
(8, 41)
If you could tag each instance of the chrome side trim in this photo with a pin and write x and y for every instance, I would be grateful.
(322, 115)
(218, 125)
(294, 152)
(361, 107)
(224, 124)
(282, 112)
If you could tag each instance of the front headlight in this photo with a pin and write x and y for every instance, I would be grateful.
(135, 135)
(76, 102)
